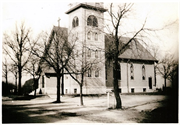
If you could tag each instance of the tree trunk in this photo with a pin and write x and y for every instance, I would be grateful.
(58, 89)
(62, 85)
(19, 85)
(155, 76)
(81, 85)
(34, 86)
(165, 84)
(81, 95)
(7, 86)
(15, 85)
(116, 87)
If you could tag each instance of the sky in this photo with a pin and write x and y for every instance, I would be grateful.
(43, 15)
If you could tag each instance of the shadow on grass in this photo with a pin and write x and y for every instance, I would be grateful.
(25, 97)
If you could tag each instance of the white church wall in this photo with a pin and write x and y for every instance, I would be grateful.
(51, 85)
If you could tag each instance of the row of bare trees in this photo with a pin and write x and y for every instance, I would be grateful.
(27, 53)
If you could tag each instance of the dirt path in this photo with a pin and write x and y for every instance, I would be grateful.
(42, 110)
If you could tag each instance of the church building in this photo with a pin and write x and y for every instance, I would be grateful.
(86, 23)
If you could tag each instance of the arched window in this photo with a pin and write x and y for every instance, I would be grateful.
(97, 73)
(92, 21)
(89, 72)
(96, 36)
(89, 53)
(77, 54)
(143, 73)
(77, 35)
(89, 35)
(75, 22)
(117, 71)
(132, 71)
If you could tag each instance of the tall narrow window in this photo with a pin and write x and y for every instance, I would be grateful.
(143, 73)
(77, 35)
(96, 53)
(106, 71)
(89, 72)
(92, 21)
(117, 72)
(96, 36)
(89, 53)
(77, 54)
(132, 71)
(89, 35)
(97, 73)
(75, 22)
(66, 91)
(42, 81)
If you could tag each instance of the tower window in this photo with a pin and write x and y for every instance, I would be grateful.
(89, 53)
(96, 36)
(77, 54)
(89, 35)
(77, 35)
(89, 72)
(92, 21)
(97, 73)
(75, 22)
(96, 54)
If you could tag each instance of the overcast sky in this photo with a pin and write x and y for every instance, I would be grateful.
(42, 15)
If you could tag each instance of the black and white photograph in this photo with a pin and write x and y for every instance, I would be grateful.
(89, 61)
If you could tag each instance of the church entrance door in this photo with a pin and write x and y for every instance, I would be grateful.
(150, 82)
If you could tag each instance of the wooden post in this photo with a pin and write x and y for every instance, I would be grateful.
(107, 99)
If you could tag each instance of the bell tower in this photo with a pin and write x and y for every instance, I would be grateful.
(86, 24)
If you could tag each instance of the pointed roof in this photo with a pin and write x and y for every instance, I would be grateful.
(58, 30)
(136, 51)
(133, 51)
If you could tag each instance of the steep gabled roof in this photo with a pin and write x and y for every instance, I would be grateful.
(57, 30)
(134, 51)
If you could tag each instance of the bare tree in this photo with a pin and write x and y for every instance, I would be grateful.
(31, 68)
(154, 49)
(5, 72)
(119, 29)
(167, 68)
(80, 66)
(56, 53)
(14, 71)
(16, 46)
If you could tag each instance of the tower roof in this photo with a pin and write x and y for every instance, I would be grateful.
(86, 6)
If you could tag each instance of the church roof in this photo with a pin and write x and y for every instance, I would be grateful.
(87, 7)
(136, 51)
(133, 51)
(58, 30)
